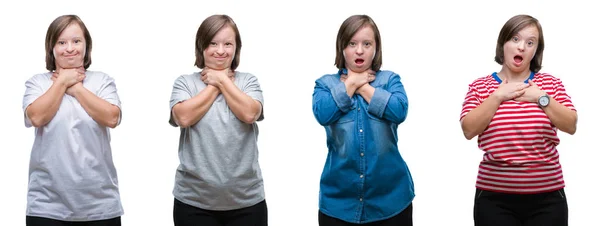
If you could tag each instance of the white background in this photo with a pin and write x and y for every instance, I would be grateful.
(438, 47)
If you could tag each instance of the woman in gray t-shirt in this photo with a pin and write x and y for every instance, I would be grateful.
(218, 181)
(72, 177)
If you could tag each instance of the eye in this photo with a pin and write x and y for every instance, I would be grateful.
(61, 42)
(530, 43)
(368, 44)
(213, 44)
(229, 44)
(515, 39)
(77, 41)
(352, 44)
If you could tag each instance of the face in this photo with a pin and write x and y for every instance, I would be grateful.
(360, 51)
(221, 49)
(69, 49)
(520, 49)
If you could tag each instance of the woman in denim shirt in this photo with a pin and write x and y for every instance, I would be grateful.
(365, 180)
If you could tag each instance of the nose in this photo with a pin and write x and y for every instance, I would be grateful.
(360, 49)
(521, 46)
(70, 47)
(220, 49)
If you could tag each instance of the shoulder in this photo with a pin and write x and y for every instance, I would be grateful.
(483, 81)
(40, 77)
(328, 78)
(385, 75)
(545, 77)
(98, 76)
(245, 75)
(188, 78)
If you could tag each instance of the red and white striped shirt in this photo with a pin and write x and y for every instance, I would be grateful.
(520, 141)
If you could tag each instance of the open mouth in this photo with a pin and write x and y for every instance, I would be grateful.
(518, 59)
(359, 61)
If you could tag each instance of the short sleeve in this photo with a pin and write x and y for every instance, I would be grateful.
(181, 92)
(561, 96)
(33, 90)
(108, 92)
(252, 88)
(470, 102)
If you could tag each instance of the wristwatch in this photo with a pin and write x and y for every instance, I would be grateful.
(543, 100)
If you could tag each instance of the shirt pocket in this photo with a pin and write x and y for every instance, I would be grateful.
(373, 118)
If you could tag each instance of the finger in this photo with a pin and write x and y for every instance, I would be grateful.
(519, 93)
(371, 72)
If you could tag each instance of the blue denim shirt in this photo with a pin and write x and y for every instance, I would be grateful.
(364, 179)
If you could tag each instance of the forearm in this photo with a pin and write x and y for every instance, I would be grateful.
(366, 91)
(103, 112)
(475, 122)
(351, 87)
(43, 109)
(561, 116)
(242, 106)
(189, 112)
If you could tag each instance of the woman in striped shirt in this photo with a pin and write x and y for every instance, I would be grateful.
(515, 113)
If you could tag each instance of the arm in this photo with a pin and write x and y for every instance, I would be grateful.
(561, 116)
(43, 109)
(561, 111)
(186, 111)
(390, 104)
(103, 112)
(477, 119)
(330, 104)
(243, 106)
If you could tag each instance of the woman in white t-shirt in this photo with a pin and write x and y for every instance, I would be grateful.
(72, 177)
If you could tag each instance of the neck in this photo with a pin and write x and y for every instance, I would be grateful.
(512, 76)
(58, 68)
(216, 69)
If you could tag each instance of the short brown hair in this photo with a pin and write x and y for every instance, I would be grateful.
(207, 31)
(347, 30)
(55, 29)
(510, 29)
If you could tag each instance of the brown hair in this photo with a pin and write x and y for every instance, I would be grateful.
(55, 29)
(347, 30)
(510, 29)
(207, 31)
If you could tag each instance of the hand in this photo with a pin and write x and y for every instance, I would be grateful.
(359, 79)
(216, 77)
(74, 88)
(509, 91)
(531, 94)
(69, 77)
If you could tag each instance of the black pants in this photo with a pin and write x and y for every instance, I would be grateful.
(186, 215)
(544, 209)
(404, 218)
(41, 221)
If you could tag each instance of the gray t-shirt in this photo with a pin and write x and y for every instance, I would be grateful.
(71, 173)
(218, 155)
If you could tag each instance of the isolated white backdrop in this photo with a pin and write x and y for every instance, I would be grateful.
(438, 47)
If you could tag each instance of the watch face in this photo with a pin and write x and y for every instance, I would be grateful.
(544, 101)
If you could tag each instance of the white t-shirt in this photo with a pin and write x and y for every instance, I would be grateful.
(71, 173)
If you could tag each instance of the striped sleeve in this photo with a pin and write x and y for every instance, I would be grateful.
(560, 94)
(471, 101)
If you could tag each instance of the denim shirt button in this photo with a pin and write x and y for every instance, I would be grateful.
(362, 154)
(360, 199)
(360, 131)
(361, 176)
